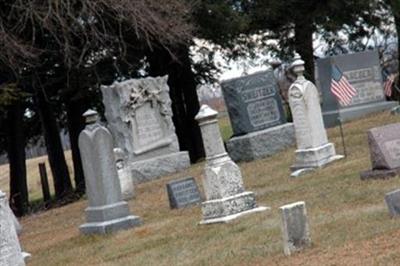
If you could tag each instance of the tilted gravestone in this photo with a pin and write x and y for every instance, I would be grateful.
(313, 149)
(295, 228)
(107, 212)
(139, 116)
(226, 198)
(384, 146)
(183, 193)
(257, 117)
(10, 249)
(392, 200)
(363, 71)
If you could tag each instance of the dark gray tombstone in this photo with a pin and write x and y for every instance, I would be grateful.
(363, 72)
(392, 200)
(257, 117)
(253, 102)
(384, 145)
(183, 193)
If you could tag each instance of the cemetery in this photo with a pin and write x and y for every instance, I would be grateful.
(208, 133)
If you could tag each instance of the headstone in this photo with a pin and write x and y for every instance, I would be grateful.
(393, 202)
(183, 193)
(10, 249)
(124, 175)
(226, 198)
(363, 71)
(313, 149)
(107, 212)
(295, 228)
(139, 116)
(257, 117)
(384, 146)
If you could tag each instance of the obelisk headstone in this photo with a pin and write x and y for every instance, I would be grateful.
(10, 249)
(226, 198)
(107, 212)
(313, 149)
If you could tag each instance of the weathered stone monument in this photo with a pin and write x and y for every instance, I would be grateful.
(313, 149)
(384, 146)
(226, 198)
(392, 200)
(107, 212)
(363, 71)
(10, 249)
(124, 175)
(295, 228)
(139, 116)
(183, 193)
(257, 117)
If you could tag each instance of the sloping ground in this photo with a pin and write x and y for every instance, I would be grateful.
(349, 221)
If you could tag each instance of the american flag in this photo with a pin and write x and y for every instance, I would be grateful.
(341, 88)
(387, 86)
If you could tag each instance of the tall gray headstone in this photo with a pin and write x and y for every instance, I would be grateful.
(363, 71)
(10, 249)
(226, 198)
(139, 116)
(295, 228)
(107, 212)
(313, 149)
(256, 113)
(384, 146)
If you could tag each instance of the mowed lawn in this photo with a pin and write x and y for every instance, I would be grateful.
(349, 221)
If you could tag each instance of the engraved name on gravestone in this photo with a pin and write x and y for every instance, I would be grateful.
(183, 192)
(253, 102)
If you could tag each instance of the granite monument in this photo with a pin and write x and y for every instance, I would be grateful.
(392, 200)
(139, 116)
(124, 175)
(107, 212)
(384, 146)
(363, 71)
(257, 117)
(183, 193)
(226, 198)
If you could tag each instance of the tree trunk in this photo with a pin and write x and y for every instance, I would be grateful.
(16, 157)
(55, 152)
(395, 6)
(76, 124)
(185, 104)
(303, 30)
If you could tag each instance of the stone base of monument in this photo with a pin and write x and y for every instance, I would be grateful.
(261, 143)
(229, 208)
(379, 174)
(108, 219)
(309, 159)
(351, 113)
(146, 170)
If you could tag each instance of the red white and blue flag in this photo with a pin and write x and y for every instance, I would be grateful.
(388, 85)
(341, 87)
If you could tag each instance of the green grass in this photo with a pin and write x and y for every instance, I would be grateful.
(348, 218)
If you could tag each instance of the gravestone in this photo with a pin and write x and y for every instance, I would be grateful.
(183, 193)
(139, 116)
(107, 212)
(295, 228)
(313, 149)
(384, 146)
(392, 200)
(10, 249)
(226, 198)
(257, 117)
(363, 71)
(124, 175)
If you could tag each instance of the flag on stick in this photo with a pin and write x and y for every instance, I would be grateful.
(388, 85)
(341, 88)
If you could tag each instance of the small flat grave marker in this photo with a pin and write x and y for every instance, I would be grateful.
(393, 202)
(183, 193)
